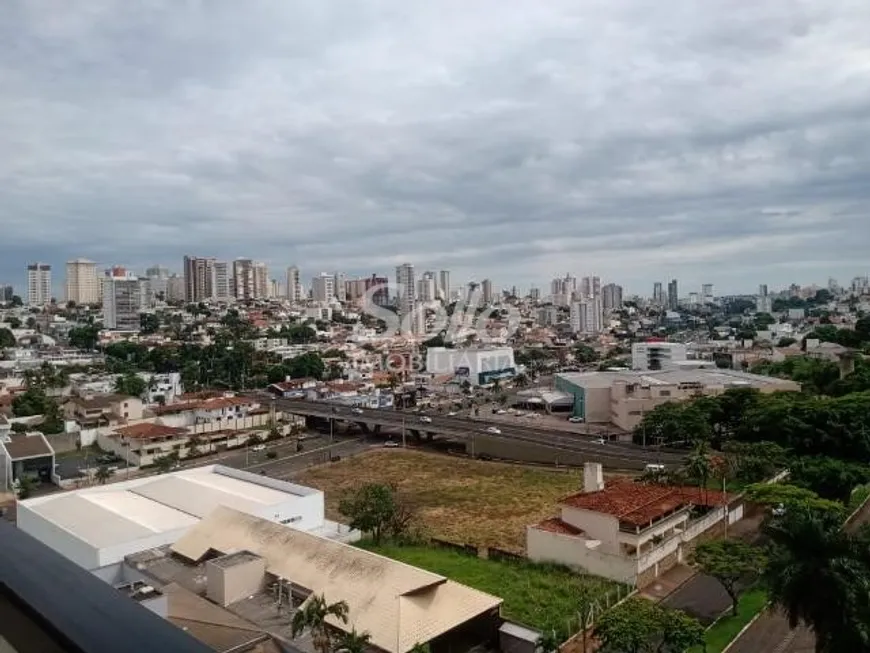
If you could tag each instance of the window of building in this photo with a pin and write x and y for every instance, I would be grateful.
(665, 393)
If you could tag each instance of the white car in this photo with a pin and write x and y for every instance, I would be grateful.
(356, 411)
(452, 413)
(600, 441)
(494, 429)
(391, 444)
(500, 412)
(576, 420)
(425, 419)
(258, 447)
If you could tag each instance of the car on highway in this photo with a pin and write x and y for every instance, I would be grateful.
(494, 429)
(654, 467)
(600, 441)
(425, 419)
(356, 411)
(391, 444)
(576, 420)
(452, 413)
(258, 447)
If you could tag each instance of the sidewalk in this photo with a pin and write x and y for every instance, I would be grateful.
(696, 594)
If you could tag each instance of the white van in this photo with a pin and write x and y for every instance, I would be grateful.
(654, 467)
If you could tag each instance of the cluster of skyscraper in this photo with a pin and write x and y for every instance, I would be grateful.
(672, 300)
(588, 301)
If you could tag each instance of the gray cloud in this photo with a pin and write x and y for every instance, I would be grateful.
(519, 140)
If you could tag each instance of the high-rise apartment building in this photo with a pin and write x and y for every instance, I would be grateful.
(222, 282)
(125, 296)
(587, 316)
(82, 282)
(340, 286)
(707, 293)
(444, 285)
(764, 302)
(673, 295)
(406, 288)
(250, 279)
(611, 297)
(427, 287)
(175, 288)
(486, 291)
(658, 294)
(378, 290)
(6, 292)
(590, 287)
(323, 288)
(199, 279)
(535, 294)
(295, 290)
(694, 299)
(38, 285)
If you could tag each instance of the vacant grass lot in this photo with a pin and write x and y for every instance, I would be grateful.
(457, 499)
(540, 596)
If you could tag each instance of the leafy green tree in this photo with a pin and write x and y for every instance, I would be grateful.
(102, 474)
(131, 384)
(639, 625)
(166, 463)
(699, 466)
(830, 478)
(312, 617)
(584, 354)
(307, 365)
(818, 575)
(353, 642)
(25, 487)
(791, 498)
(32, 401)
(729, 562)
(149, 323)
(370, 509)
(13, 322)
(786, 342)
(84, 337)
(673, 423)
(6, 338)
(16, 301)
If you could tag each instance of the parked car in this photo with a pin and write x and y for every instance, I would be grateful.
(356, 411)
(600, 441)
(258, 447)
(654, 467)
(576, 420)
(494, 429)
(391, 444)
(452, 413)
(500, 412)
(425, 419)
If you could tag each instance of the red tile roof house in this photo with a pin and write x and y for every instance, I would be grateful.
(628, 531)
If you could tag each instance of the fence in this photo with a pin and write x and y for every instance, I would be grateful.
(583, 625)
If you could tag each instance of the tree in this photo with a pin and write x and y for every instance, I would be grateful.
(312, 617)
(149, 323)
(698, 465)
(370, 509)
(639, 625)
(729, 561)
(308, 365)
(193, 446)
(673, 423)
(166, 463)
(16, 301)
(25, 487)
(549, 641)
(131, 384)
(102, 474)
(353, 642)
(830, 478)
(818, 574)
(84, 337)
(791, 498)
(786, 342)
(584, 354)
(6, 338)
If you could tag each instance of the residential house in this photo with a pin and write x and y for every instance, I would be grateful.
(629, 531)
(293, 388)
(104, 410)
(29, 455)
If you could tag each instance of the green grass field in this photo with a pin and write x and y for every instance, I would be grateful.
(540, 596)
(723, 632)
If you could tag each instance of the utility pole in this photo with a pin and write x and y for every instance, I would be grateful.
(403, 431)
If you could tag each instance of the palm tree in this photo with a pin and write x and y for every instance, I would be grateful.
(698, 465)
(103, 474)
(312, 617)
(353, 642)
(819, 575)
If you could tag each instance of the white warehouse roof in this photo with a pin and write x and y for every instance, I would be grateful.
(156, 510)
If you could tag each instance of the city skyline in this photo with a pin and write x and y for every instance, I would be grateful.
(358, 140)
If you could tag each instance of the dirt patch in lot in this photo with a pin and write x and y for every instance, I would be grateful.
(457, 499)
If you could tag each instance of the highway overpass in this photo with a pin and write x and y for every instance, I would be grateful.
(511, 442)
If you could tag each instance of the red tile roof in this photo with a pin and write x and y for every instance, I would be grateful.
(149, 431)
(640, 503)
(556, 525)
(222, 402)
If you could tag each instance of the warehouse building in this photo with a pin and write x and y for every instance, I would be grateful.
(97, 527)
(623, 397)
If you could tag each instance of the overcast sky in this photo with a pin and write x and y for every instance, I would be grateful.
(638, 140)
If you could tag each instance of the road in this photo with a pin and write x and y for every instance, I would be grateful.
(464, 428)
(771, 633)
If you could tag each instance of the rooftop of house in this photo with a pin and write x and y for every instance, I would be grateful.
(101, 401)
(639, 504)
(32, 445)
(149, 431)
(556, 525)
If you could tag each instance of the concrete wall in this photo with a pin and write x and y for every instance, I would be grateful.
(114, 554)
(544, 546)
(597, 525)
(62, 541)
(226, 585)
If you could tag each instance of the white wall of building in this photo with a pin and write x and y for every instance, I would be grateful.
(62, 541)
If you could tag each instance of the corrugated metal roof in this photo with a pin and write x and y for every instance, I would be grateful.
(397, 604)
